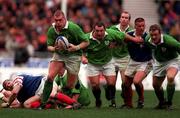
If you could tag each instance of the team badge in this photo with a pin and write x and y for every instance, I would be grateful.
(106, 42)
(163, 49)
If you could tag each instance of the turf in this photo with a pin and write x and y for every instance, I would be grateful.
(104, 112)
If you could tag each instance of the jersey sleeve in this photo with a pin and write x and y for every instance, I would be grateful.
(119, 36)
(113, 27)
(172, 42)
(18, 81)
(50, 37)
(79, 34)
(57, 80)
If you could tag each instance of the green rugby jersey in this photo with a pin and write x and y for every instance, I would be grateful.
(72, 32)
(61, 81)
(80, 89)
(167, 49)
(98, 51)
(120, 50)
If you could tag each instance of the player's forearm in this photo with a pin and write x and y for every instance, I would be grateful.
(133, 39)
(12, 98)
(83, 44)
(15, 91)
(51, 48)
(128, 37)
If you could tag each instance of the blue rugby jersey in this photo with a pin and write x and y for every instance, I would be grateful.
(29, 86)
(139, 52)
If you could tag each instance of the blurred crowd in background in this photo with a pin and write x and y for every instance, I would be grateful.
(24, 23)
(169, 16)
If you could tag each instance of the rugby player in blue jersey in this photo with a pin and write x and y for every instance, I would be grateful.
(138, 67)
(28, 89)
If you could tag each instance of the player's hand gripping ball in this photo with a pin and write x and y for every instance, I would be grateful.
(62, 43)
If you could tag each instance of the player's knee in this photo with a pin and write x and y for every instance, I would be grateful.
(170, 78)
(111, 83)
(95, 86)
(136, 82)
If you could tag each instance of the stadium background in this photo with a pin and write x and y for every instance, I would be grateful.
(23, 26)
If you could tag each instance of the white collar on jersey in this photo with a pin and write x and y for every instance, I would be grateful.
(118, 26)
(134, 34)
(65, 73)
(65, 27)
(162, 41)
(91, 36)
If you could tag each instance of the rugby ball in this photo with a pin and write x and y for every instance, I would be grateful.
(62, 42)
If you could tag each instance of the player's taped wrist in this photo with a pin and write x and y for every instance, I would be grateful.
(78, 47)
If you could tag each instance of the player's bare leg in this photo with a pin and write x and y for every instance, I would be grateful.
(122, 85)
(127, 93)
(138, 78)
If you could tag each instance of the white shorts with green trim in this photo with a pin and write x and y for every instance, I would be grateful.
(107, 69)
(160, 68)
(72, 63)
(121, 63)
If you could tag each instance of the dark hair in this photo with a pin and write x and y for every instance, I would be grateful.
(99, 24)
(155, 27)
(4, 83)
(139, 19)
(126, 12)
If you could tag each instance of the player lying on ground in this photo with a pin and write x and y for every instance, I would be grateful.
(27, 89)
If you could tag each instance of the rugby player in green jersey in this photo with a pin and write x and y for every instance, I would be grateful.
(99, 58)
(79, 93)
(119, 51)
(70, 58)
(166, 64)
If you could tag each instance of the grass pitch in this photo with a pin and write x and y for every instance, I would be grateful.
(103, 112)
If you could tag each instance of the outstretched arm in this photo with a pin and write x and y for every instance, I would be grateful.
(82, 45)
(133, 39)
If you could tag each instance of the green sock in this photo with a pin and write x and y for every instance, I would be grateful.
(160, 94)
(47, 91)
(170, 92)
